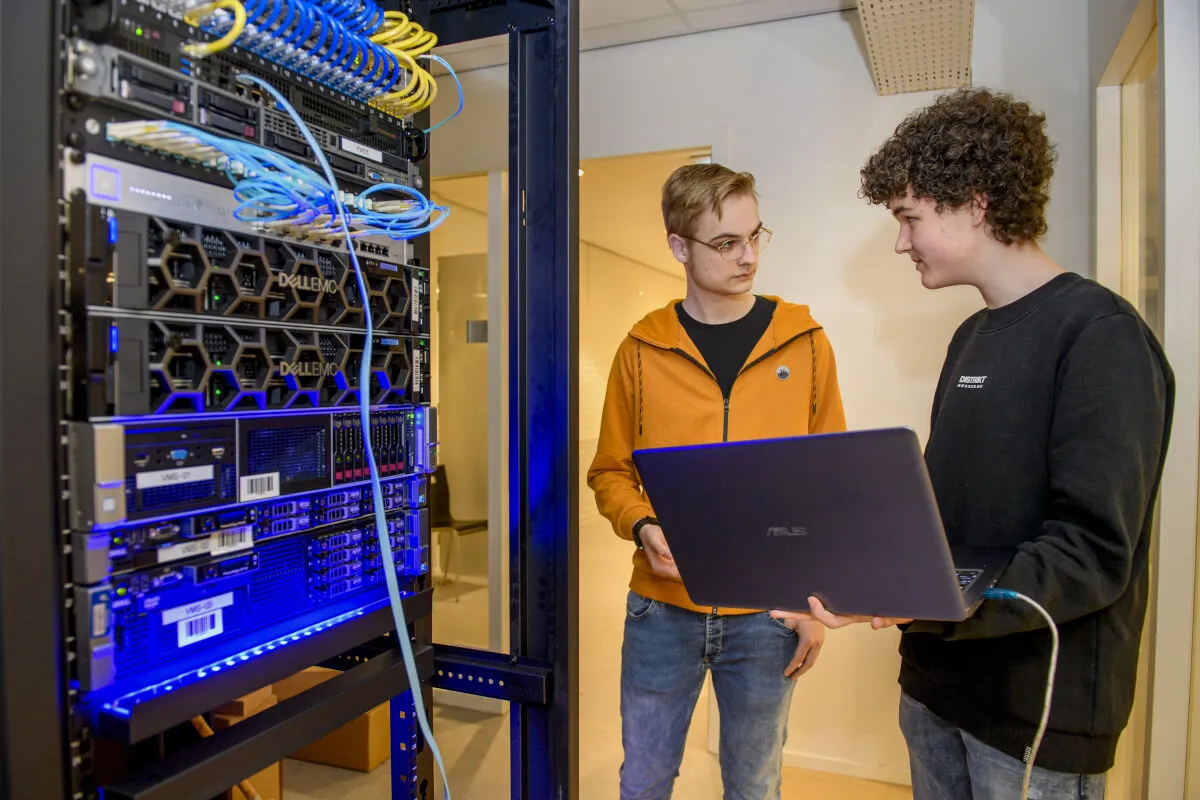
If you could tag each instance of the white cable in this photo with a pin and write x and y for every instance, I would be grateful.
(1008, 594)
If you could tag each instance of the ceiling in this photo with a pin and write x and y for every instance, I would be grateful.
(607, 23)
(618, 203)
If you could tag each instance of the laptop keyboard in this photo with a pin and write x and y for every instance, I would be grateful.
(966, 577)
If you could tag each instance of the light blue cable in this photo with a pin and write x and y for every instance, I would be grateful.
(364, 383)
(457, 82)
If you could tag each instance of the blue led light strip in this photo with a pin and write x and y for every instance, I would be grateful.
(123, 705)
(365, 412)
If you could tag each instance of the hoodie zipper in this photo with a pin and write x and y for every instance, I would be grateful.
(725, 397)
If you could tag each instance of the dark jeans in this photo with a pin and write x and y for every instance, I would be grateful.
(950, 764)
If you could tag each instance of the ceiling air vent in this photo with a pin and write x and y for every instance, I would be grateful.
(918, 45)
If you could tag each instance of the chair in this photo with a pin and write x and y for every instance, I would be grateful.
(440, 517)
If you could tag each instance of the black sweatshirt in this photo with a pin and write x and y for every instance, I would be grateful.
(1049, 432)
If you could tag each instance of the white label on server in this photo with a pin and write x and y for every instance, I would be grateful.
(200, 547)
(100, 617)
(171, 477)
(351, 146)
(232, 540)
(260, 487)
(197, 629)
(198, 621)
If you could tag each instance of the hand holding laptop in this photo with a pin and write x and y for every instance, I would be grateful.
(834, 621)
(657, 552)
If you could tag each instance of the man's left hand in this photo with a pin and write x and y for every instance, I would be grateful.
(831, 620)
(819, 613)
(812, 636)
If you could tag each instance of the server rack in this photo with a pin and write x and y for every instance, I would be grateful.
(40, 754)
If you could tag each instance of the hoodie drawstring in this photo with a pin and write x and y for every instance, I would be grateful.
(812, 344)
(639, 397)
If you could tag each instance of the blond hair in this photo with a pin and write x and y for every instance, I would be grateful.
(695, 188)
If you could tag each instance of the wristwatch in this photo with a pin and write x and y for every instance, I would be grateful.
(637, 530)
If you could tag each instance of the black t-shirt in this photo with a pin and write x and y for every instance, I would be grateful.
(726, 346)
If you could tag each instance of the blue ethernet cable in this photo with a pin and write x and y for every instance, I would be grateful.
(1008, 594)
(270, 187)
(364, 382)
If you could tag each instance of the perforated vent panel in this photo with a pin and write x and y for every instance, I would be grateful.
(297, 454)
(918, 45)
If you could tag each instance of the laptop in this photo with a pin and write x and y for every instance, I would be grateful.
(848, 517)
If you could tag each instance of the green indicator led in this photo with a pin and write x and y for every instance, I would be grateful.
(138, 31)
(122, 592)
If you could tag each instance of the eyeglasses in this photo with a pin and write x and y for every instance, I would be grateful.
(732, 249)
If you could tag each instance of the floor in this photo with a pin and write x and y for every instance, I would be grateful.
(475, 745)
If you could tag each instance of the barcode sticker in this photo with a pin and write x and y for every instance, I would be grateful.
(260, 487)
(198, 621)
(197, 629)
(232, 540)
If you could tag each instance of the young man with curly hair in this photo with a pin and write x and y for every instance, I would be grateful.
(722, 365)
(1049, 429)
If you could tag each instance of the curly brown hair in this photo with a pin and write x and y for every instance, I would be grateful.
(970, 141)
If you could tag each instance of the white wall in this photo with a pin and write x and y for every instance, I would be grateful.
(808, 116)
(459, 369)
(1107, 20)
(614, 293)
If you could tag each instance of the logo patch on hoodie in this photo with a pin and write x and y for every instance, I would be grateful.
(783, 373)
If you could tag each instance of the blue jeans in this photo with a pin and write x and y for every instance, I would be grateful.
(950, 764)
(666, 653)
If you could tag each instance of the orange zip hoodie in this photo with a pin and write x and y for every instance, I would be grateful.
(662, 394)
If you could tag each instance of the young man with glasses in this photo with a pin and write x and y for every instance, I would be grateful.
(723, 364)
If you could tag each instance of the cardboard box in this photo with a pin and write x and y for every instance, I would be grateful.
(222, 721)
(362, 744)
(268, 783)
(247, 705)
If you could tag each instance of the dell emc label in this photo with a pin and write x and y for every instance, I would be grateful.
(307, 369)
(783, 530)
(306, 283)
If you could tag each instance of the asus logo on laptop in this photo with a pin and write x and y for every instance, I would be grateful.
(785, 530)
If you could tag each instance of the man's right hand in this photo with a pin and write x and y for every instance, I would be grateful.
(657, 552)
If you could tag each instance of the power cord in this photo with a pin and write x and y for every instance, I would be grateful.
(1007, 594)
(364, 382)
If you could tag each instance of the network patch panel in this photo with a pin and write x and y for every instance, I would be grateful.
(119, 86)
(151, 33)
(205, 199)
(135, 262)
(177, 618)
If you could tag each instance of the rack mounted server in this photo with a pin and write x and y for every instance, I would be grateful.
(219, 505)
